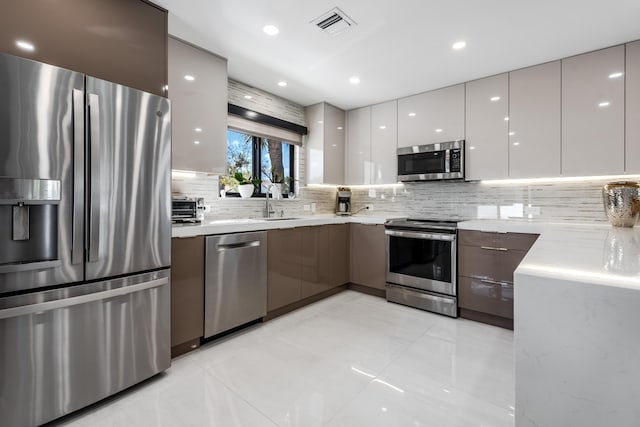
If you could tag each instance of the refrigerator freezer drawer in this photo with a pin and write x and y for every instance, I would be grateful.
(68, 348)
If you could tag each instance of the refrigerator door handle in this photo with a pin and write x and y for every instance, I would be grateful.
(77, 238)
(22, 310)
(94, 195)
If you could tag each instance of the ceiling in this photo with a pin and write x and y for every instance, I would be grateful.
(397, 48)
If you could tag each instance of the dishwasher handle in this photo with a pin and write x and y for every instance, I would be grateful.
(230, 246)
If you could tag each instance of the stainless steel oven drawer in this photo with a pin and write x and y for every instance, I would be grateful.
(442, 304)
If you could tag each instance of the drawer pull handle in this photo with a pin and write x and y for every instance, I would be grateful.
(492, 248)
(493, 282)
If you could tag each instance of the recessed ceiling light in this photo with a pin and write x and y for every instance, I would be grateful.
(511, 133)
(506, 119)
(615, 75)
(270, 30)
(412, 114)
(189, 77)
(604, 104)
(196, 142)
(334, 145)
(320, 122)
(198, 129)
(339, 128)
(354, 80)
(495, 98)
(248, 97)
(438, 130)
(383, 127)
(516, 143)
(25, 45)
(459, 45)
(472, 148)
(282, 83)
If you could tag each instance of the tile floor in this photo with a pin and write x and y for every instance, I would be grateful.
(349, 360)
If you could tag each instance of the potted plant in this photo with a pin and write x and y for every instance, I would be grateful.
(246, 186)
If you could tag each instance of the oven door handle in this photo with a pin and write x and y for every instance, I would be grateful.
(420, 235)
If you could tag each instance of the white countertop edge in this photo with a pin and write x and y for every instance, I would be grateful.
(523, 225)
(575, 275)
(246, 225)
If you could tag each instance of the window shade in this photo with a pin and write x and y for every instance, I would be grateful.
(259, 129)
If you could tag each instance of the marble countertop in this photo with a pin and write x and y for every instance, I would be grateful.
(250, 224)
(594, 253)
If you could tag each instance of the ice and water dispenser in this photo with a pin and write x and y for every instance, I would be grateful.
(29, 214)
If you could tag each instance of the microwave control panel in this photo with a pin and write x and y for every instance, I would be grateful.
(455, 156)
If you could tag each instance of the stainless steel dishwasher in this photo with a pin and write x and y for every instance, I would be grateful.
(235, 281)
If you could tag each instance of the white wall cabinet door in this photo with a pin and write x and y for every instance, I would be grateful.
(593, 113)
(487, 139)
(358, 158)
(325, 144)
(384, 142)
(632, 123)
(431, 117)
(198, 108)
(534, 121)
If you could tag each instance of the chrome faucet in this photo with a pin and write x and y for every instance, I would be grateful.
(268, 208)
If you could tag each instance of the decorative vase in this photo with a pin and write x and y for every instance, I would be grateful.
(245, 190)
(622, 203)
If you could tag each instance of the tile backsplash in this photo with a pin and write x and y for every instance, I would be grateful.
(560, 201)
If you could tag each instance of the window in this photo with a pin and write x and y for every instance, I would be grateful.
(255, 157)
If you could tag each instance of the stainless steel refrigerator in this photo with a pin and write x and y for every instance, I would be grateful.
(85, 239)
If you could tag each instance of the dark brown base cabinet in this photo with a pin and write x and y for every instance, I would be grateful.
(368, 257)
(122, 41)
(187, 293)
(304, 262)
(486, 262)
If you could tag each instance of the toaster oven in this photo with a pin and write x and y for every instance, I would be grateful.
(187, 210)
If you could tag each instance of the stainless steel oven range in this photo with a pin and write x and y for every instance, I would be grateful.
(421, 264)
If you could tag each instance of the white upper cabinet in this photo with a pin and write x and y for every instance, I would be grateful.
(198, 94)
(534, 121)
(384, 139)
(325, 144)
(431, 117)
(487, 127)
(632, 155)
(358, 167)
(593, 113)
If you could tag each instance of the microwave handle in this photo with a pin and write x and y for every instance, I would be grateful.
(447, 161)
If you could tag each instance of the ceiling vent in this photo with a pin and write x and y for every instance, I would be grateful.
(334, 21)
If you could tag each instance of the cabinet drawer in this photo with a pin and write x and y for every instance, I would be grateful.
(486, 296)
(518, 241)
(486, 263)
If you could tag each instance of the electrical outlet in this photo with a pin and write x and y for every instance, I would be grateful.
(313, 208)
(306, 207)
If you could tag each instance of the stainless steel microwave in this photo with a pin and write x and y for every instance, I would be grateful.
(431, 162)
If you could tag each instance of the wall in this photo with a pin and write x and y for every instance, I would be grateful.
(265, 103)
(565, 201)
(235, 207)
(206, 186)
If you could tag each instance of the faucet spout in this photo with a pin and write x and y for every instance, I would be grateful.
(268, 208)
